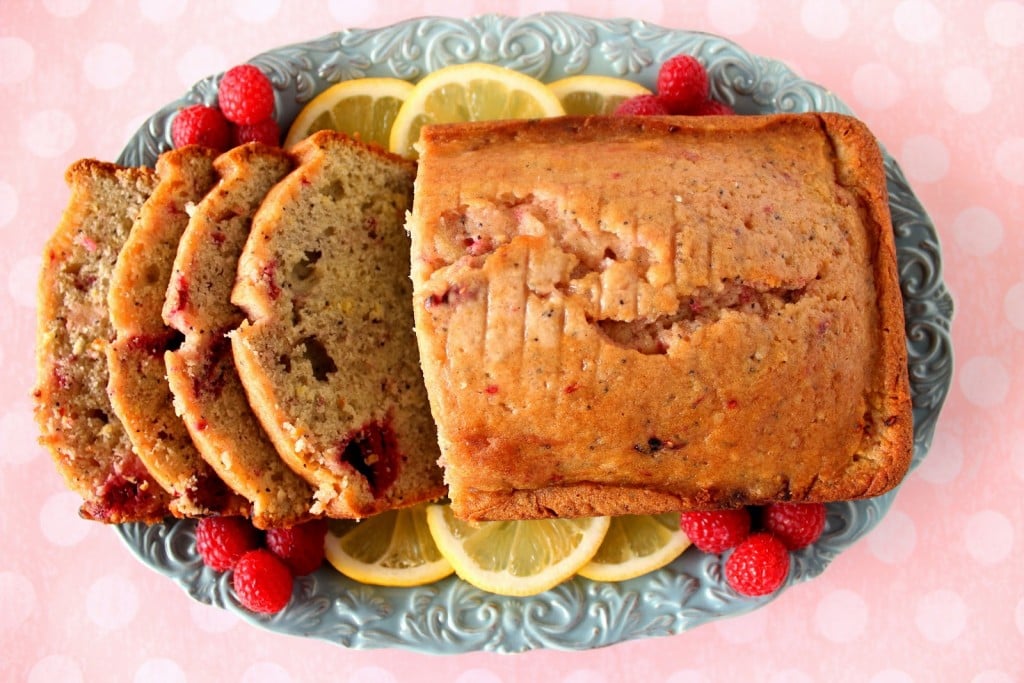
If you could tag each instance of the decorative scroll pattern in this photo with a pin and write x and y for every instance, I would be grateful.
(451, 616)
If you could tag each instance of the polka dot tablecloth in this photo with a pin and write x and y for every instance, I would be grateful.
(936, 593)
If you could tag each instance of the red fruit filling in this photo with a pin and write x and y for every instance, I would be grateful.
(373, 452)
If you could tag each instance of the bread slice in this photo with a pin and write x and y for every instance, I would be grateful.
(88, 443)
(201, 373)
(327, 355)
(636, 315)
(138, 387)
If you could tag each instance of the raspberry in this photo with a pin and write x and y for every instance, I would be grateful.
(641, 105)
(200, 125)
(301, 547)
(713, 108)
(265, 131)
(797, 525)
(262, 582)
(758, 566)
(245, 95)
(717, 531)
(222, 540)
(682, 84)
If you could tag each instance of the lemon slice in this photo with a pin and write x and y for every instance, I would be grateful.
(365, 107)
(516, 558)
(390, 549)
(594, 94)
(470, 92)
(636, 545)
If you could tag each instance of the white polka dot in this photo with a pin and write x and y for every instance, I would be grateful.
(892, 676)
(944, 460)
(536, 6)
(55, 668)
(984, 381)
(967, 89)
(790, 676)
(372, 674)
(59, 520)
(255, 11)
(8, 203)
(66, 8)
(988, 537)
(978, 230)
(18, 58)
(894, 539)
(993, 676)
(162, 11)
(108, 65)
(688, 676)
(159, 670)
(876, 86)
(198, 62)
(478, 676)
(1018, 616)
(1004, 23)
(112, 602)
(917, 21)
(267, 672)
(348, 13)
(1010, 160)
(825, 19)
(49, 133)
(21, 281)
(733, 17)
(585, 676)
(743, 629)
(18, 436)
(925, 158)
(941, 616)
(841, 616)
(19, 600)
(1013, 305)
(212, 619)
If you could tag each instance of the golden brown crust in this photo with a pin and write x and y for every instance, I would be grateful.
(77, 425)
(138, 390)
(675, 307)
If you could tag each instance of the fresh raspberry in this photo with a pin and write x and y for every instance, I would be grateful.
(265, 131)
(641, 105)
(717, 531)
(711, 107)
(245, 95)
(797, 525)
(200, 125)
(262, 582)
(301, 546)
(758, 566)
(222, 540)
(682, 84)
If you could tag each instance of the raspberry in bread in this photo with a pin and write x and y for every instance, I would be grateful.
(137, 386)
(201, 373)
(633, 315)
(88, 442)
(328, 356)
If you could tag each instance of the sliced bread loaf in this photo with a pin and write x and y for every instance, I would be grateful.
(328, 356)
(138, 387)
(207, 392)
(87, 440)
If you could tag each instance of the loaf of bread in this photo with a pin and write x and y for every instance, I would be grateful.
(137, 386)
(637, 315)
(327, 356)
(201, 373)
(77, 424)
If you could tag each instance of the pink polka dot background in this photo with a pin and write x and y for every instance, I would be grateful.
(936, 594)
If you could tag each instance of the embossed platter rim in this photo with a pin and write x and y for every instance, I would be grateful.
(451, 616)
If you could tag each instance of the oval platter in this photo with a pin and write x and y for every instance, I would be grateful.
(452, 616)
